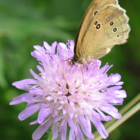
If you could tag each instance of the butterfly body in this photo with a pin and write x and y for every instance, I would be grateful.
(104, 25)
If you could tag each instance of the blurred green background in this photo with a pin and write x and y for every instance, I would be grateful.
(30, 22)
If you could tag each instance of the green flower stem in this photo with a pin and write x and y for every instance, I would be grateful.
(50, 136)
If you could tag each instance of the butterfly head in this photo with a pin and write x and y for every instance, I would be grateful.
(76, 59)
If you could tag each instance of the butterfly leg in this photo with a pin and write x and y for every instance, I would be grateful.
(82, 73)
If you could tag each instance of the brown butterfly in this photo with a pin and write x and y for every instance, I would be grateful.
(104, 25)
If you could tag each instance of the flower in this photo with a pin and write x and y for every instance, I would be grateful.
(64, 95)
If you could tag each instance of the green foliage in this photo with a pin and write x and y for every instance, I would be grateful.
(30, 22)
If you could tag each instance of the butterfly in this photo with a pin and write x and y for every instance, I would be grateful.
(104, 25)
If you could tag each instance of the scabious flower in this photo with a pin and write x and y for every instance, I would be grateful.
(69, 98)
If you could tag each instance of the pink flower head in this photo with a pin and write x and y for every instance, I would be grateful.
(64, 95)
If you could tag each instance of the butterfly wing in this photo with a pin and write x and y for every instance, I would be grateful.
(91, 12)
(105, 29)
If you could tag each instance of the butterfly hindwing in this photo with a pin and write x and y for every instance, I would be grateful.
(92, 11)
(108, 28)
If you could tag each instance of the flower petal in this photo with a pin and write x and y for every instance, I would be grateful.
(55, 130)
(34, 122)
(71, 135)
(24, 84)
(28, 111)
(63, 129)
(100, 127)
(79, 134)
(38, 133)
(43, 113)
(18, 99)
(84, 127)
